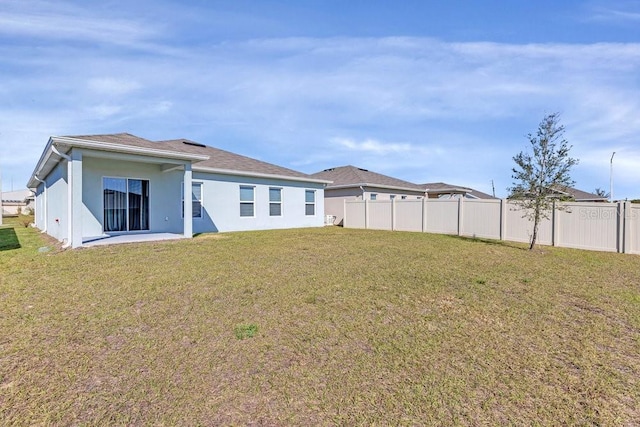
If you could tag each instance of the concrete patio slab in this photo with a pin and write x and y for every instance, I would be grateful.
(129, 238)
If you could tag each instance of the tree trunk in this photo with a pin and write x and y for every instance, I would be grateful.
(536, 220)
(534, 236)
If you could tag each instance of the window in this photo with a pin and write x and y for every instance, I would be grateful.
(196, 200)
(373, 196)
(275, 201)
(403, 197)
(126, 204)
(310, 202)
(247, 200)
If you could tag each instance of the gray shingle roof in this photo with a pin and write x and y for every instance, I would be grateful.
(581, 196)
(351, 176)
(443, 187)
(119, 138)
(218, 159)
(226, 160)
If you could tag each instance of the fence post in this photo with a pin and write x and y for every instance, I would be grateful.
(344, 213)
(366, 213)
(620, 227)
(424, 214)
(555, 233)
(460, 207)
(393, 214)
(626, 225)
(503, 218)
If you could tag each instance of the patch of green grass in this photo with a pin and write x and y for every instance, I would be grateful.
(364, 327)
(245, 331)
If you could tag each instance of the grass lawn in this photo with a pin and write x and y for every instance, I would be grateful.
(317, 327)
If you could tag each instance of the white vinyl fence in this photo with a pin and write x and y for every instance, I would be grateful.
(613, 227)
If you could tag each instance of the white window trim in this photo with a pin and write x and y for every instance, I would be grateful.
(201, 199)
(126, 178)
(309, 203)
(252, 202)
(279, 203)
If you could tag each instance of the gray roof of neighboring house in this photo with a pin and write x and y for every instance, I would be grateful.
(17, 195)
(481, 195)
(205, 158)
(581, 196)
(443, 188)
(352, 176)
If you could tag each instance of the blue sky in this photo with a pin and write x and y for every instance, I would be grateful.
(420, 90)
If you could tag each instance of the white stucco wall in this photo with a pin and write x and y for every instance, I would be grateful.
(164, 193)
(220, 199)
(57, 221)
(221, 204)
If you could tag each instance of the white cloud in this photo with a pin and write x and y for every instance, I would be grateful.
(416, 108)
(61, 20)
(112, 86)
(372, 146)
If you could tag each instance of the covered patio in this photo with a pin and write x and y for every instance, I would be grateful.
(129, 238)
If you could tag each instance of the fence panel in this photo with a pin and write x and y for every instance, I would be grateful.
(587, 226)
(442, 216)
(633, 222)
(380, 214)
(354, 214)
(481, 218)
(519, 229)
(408, 216)
(592, 226)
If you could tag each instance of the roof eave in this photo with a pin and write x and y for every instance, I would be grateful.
(104, 146)
(259, 175)
(448, 190)
(365, 184)
(128, 149)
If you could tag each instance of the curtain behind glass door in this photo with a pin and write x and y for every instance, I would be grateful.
(115, 204)
(138, 204)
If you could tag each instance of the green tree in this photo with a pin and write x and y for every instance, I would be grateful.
(602, 193)
(542, 171)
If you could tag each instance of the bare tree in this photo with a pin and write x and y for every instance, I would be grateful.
(541, 174)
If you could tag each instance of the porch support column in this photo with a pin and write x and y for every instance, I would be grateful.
(188, 206)
(75, 211)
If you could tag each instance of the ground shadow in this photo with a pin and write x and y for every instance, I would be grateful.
(8, 239)
(504, 243)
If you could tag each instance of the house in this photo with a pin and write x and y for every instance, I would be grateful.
(17, 202)
(96, 186)
(354, 183)
(573, 194)
(441, 190)
(579, 195)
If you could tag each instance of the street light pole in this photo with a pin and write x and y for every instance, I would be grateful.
(611, 179)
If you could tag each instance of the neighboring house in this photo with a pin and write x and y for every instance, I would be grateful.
(17, 202)
(90, 187)
(574, 194)
(353, 183)
(441, 190)
(579, 195)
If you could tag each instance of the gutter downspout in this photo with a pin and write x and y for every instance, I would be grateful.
(44, 203)
(69, 195)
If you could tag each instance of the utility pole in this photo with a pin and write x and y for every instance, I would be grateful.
(493, 187)
(611, 178)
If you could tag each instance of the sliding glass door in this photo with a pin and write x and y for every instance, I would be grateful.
(126, 204)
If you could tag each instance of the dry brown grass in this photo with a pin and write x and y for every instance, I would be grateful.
(354, 327)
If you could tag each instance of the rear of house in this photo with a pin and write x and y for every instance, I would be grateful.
(89, 187)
